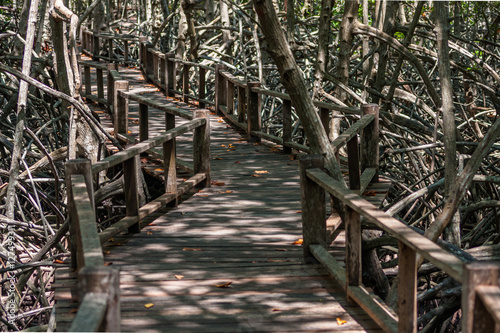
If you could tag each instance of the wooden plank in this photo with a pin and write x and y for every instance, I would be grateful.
(451, 264)
(490, 297)
(366, 178)
(90, 313)
(90, 252)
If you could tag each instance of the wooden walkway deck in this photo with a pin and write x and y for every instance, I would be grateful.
(224, 260)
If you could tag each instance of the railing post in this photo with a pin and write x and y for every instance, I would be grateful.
(230, 97)
(287, 125)
(253, 111)
(185, 83)
(143, 122)
(106, 280)
(220, 89)
(120, 108)
(162, 71)
(313, 206)
(169, 164)
(74, 167)
(242, 102)
(100, 85)
(170, 74)
(88, 83)
(202, 87)
(370, 140)
(156, 65)
(149, 66)
(407, 289)
(201, 146)
(130, 188)
(142, 51)
(96, 47)
(111, 85)
(474, 316)
(353, 220)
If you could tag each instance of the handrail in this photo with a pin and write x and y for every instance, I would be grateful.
(478, 301)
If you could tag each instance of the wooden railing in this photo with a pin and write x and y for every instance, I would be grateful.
(92, 43)
(480, 291)
(99, 285)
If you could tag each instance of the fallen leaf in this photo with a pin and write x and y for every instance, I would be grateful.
(298, 212)
(219, 183)
(179, 277)
(254, 175)
(237, 162)
(217, 158)
(149, 233)
(223, 146)
(158, 169)
(57, 261)
(275, 309)
(224, 285)
(370, 193)
(149, 305)
(281, 250)
(261, 171)
(228, 191)
(299, 241)
(108, 263)
(191, 249)
(341, 321)
(73, 311)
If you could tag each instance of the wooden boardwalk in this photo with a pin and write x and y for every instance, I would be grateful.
(224, 260)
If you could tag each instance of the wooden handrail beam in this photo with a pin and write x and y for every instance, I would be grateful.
(352, 131)
(449, 263)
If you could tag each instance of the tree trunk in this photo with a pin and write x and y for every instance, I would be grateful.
(323, 37)
(295, 86)
(449, 127)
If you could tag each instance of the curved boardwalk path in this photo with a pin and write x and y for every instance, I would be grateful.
(238, 233)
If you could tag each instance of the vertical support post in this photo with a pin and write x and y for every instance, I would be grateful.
(253, 110)
(230, 97)
(353, 220)
(170, 74)
(96, 47)
(111, 85)
(287, 125)
(162, 73)
(142, 51)
(88, 83)
(120, 107)
(202, 86)
(242, 102)
(370, 140)
(185, 83)
(149, 66)
(407, 289)
(156, 65)
(201, 146)
(143, 122)
(83, 35)
(106, 280)
(130, 187)
(220, 89)
(125, 51)
(476, 274)
(313, 206)
(169, 164)
(77, 167)
(324, 115)
(100, 85)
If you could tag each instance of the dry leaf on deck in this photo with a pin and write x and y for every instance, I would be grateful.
(341, 321)
(299, 241)
(149, 305)
(369, 193)
(219, 183)
(261, 171)
(179, 277)
(217, 158)
(224, 285)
